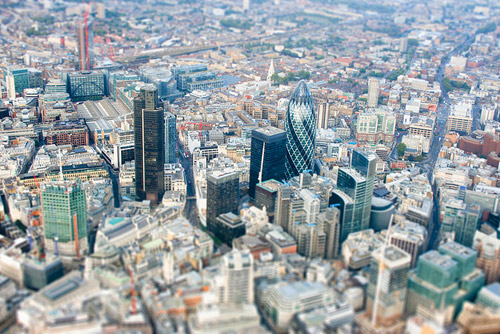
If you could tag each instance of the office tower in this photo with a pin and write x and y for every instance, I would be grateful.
(149, 139)
(222, 196)
(403, 44)
(373, 92)
(229, 227)
(170, 137)
(237, 268)
(267, 159)
(322, 107)
(461, 220)
(410, 237)
(266, 194)
(283, 199)
(16, 80)
(84, 86)
(282, 300)
(488, 251)
(330, 221)
(386, 299)
(38, 274)
(86, 58)
(311, 240)
(300, 128)
(357, 182)
(246, 5)
(64, 217)
(460, 118)
(442, 281)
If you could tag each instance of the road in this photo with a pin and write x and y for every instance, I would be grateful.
(190, 210)
(442, 116)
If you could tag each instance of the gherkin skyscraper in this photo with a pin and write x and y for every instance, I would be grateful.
(300, 127)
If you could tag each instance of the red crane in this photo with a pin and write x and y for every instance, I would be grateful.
(200, 124)
(111, 54)
(85, 20)
(132, 291)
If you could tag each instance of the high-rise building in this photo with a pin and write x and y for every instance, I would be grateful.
(64, 209)
(237, 268)
(86, 57)
(410, 237)
(300, 128)
(267, 160)
(170, 137)
(246, 5)
(322, 107)
(222, 196)
(330, 221)
(488, 250)
(442, 281)
(149, 141)
(357, 182)
(373, 92)
(462, 220)
(311, 240)
(386, 299)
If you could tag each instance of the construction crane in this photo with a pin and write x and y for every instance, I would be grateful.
(85, 22)
(132, 291)
(111, 54)
(200, 124)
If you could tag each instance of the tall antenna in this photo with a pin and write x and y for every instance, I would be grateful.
(56, 244)
(61, 177)
(262, 162)
(381, 267)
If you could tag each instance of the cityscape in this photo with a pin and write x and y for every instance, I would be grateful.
(250, 166)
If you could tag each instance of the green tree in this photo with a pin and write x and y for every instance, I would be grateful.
(401, 149)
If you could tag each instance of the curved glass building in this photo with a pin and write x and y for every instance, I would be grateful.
(300, 127)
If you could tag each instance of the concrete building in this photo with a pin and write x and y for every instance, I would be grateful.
(460, 119)
(488, 255)
(392, 267)
(237, 270)
(373, 92)
(279, 302)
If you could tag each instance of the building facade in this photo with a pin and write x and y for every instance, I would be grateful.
(222, 196)
(170, 137)
(64, 209)
(300, 128)
(149, 144)
(268, 148)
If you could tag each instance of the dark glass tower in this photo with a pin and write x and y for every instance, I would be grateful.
(300, 128)
(170, 137)
(268, 156)
(149, 141)
(222, 196)
(357, 182)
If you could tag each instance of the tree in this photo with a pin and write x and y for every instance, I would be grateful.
(401, 149)
(419, 158)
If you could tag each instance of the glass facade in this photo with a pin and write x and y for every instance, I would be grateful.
(357, 182)
(149, 141)
(170, 137)
(300, 128)
(61, 200)
(86, 86)
(272, 142)
(222, 196)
